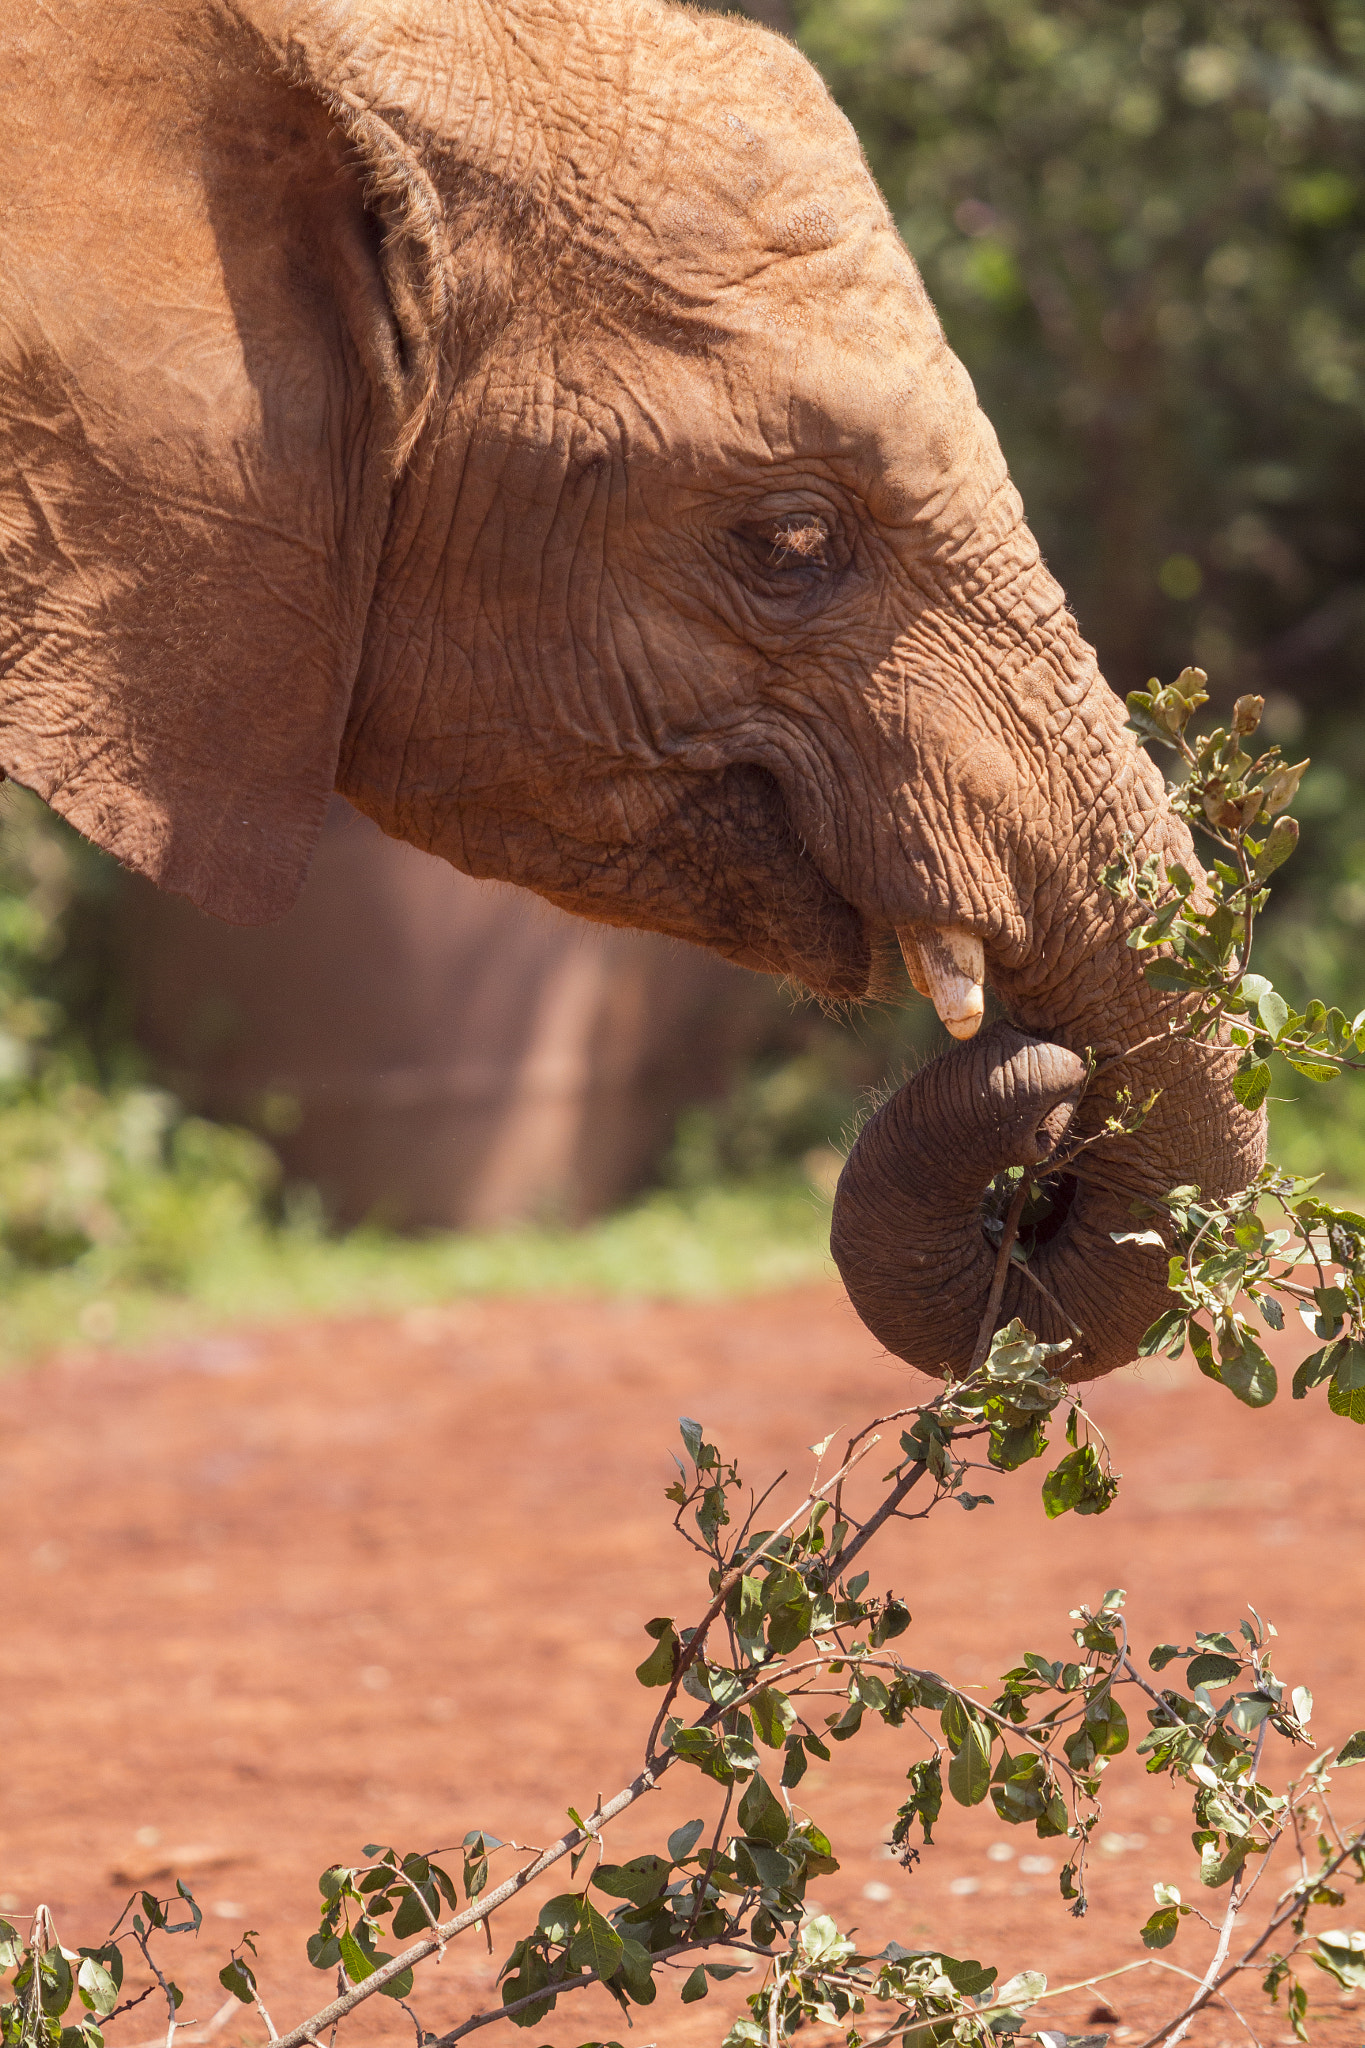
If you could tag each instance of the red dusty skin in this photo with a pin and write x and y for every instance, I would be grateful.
(908, 1235)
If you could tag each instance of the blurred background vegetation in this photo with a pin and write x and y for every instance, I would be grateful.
(1144, 228)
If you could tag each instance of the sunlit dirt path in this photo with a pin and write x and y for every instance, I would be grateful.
(269, 1597)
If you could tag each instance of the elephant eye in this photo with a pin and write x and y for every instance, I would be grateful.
(789, 557)
(800, 541)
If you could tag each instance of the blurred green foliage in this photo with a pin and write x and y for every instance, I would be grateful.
(98, 1174)
(1144, 228)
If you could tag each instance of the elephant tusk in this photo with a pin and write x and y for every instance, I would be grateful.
(948, 966)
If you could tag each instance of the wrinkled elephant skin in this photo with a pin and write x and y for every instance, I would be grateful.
(527, 421)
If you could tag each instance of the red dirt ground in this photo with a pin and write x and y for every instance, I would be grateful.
(271, 1596)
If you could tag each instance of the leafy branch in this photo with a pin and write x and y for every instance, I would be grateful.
(1275, 1244)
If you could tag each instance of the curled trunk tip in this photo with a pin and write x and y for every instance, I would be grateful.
(908, 1231)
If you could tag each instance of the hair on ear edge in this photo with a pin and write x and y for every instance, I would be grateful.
(417, 266)
(415, 261)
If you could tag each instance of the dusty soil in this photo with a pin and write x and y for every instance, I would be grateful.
(270, 1597)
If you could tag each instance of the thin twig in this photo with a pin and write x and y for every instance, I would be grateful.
(1002, 1266)
(479, 1910)
(142, 1941)
(695, 1644)
(1292, 1906)
(986, 2012)
(128, 2005)
(579, 1983)
(1023, 1266)
(1178, 2033)
(711, 1859)
(839, 1565)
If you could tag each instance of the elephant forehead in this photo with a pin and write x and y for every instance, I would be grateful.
(737, 192)
(799, 366)
(720, 151)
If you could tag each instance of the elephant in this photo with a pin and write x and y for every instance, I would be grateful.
(528, 422)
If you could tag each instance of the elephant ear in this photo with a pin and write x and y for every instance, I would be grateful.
(224, 318)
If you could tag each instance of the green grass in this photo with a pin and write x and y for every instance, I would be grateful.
(193, 1254)
(713, 1242)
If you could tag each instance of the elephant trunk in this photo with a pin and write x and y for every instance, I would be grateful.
(910, 1234)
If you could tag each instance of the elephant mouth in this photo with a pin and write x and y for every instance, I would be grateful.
(1051, 1200)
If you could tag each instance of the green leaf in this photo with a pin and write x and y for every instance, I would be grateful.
(893, 1621)
(762, 1813)
(787, 1603)
(1313, 1070)
(1346, 1401)
(397, 1987)
(771, 1867)
(660, 1664)
(1170, 976)
(98, 1991)
(696, 1744)
(1342, 1955)
(1079, 1482)
(691, 1435)
(1166, 1334)
(954, 1721)
(739, 1752)
(1246, 1371)
(925, 1802)
(640, 1880)
(1349, 1371)
(1141, 722)
(597, 1945)
(746, 1609)
(969, 1773)
(324, 1950)
(774, 1716)
(793, 1764)
(559, 1917)
(696, 1987)
(1162, 1928)
(968, 1976)
(1252, 1087)
(523, 1974)
(1021, 1990)
(1274, 1013)
(712, 1515)
(1315, 1370)
(1352, 1751)
(411, 1918)
(1211, 1669)
(1107, 1725)
(236, 1977)
(635, 1973)
(684, 1840)
(354, 1961)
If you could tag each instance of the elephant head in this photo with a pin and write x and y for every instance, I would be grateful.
(529, 422)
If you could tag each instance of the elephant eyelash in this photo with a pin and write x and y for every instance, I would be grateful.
(801, 540)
